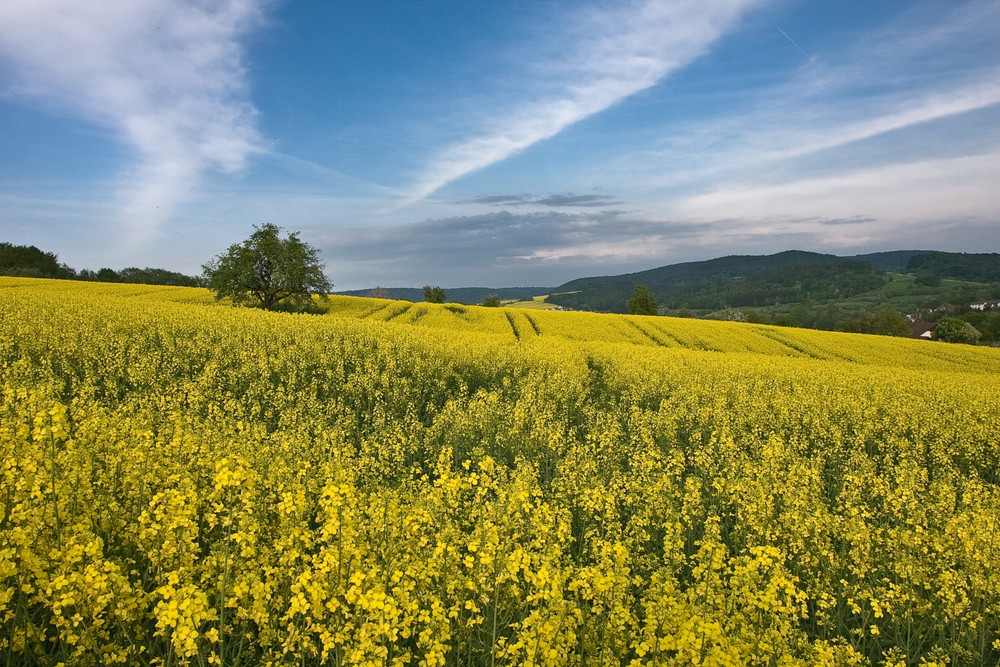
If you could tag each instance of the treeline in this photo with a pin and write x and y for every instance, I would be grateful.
(823, 280)
(973, 267)
(986, 323)
(31, 262)
(881, 321)
(147, 276)
(783, 284)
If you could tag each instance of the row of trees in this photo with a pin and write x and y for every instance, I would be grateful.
(265, 270)
(147, 276)
(779, 284)
(436, 294)
(31, 262)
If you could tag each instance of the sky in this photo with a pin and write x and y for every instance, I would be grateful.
(502, 143)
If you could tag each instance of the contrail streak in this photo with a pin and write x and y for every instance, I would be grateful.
(792, 41)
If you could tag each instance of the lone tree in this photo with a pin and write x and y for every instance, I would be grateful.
(642, 302)
(266, 270)
(433, 294)
(955, 330)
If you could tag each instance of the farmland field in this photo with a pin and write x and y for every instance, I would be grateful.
(411, 483)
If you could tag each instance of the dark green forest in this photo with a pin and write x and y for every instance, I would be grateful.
(979, 267)
(728, 282)
(31, 262)
(784, 284)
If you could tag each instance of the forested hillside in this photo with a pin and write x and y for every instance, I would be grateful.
(29, 261)
(980, 268)
(867, 293)
(609, 293)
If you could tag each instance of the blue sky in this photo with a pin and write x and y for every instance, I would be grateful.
(497, 143)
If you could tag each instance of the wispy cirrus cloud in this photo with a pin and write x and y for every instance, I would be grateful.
(500, 200)
(610, 54)
(565, 200)
(856, 220)
(914, 191)
(165, 76)
(579, 200)
(905, 111)
(934, 64)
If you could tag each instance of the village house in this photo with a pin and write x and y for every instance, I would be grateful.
(922, 329)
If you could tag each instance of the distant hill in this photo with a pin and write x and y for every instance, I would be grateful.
(691, 273)
(741, 281)
(766, 276)
(976, 267)
(737, 280)
(469, 295)
(894, 260)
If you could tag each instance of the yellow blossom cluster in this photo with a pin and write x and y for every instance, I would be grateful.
(184, 483)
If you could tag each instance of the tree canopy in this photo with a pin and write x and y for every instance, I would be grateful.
(954, 330)
(642, 302)
(884, 322)
(433, 294)
(29, 261)
(266, 270)
(147, 276)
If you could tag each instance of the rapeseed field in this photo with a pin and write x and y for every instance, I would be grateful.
(186, 483)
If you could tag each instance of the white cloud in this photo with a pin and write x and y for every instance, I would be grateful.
(502, 248)
(925, 66)
(610, 55)
(894, 127)
(164, 75)
(914, 191)
(906, 112)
